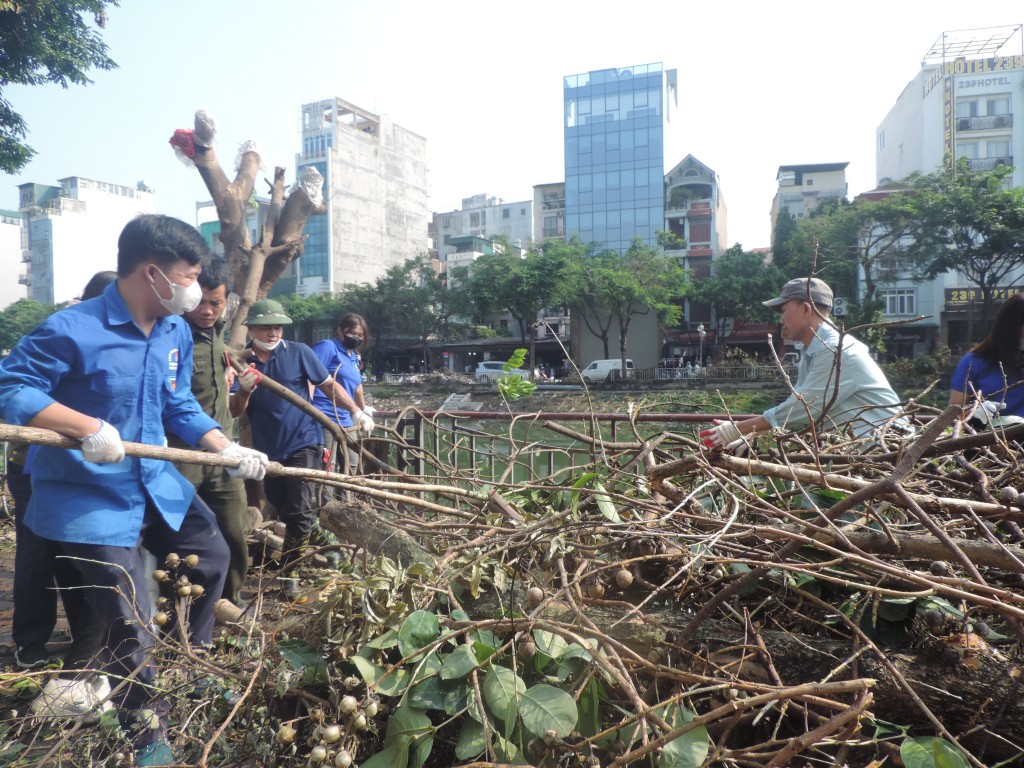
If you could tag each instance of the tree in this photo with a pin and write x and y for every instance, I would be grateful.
(969, 223)
(739, 282)
(20, 318)
(255, 267)
(608, 289)
(45, 41)
(520, 285)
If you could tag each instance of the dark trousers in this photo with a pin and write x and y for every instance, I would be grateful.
(37, 575)
(117, 594)
(225, 495)
(295, 499)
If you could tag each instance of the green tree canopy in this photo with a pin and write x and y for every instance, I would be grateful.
(608, 289)
(45, 41)
(739, 282)
(18, 319)
(970, 223)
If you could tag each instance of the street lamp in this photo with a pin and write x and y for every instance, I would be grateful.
(702, 333)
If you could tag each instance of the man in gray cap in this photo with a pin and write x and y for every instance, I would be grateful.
(863, 400)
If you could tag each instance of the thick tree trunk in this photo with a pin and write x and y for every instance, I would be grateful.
(362, 526)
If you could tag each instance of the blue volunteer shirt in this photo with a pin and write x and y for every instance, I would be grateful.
(279, 429)
(343, 365)
(978, 376)
(92, 357)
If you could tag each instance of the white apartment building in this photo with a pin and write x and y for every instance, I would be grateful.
(375, 186)
(72, 232)
(967, 101)
(484, 216)
(549, 211)
(13, 242)
(802, 188)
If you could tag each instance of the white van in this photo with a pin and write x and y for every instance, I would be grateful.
(601, 370)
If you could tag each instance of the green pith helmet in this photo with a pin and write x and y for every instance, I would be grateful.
(267, 312)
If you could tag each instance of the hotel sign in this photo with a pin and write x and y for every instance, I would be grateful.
(973, 67)
(962, 297)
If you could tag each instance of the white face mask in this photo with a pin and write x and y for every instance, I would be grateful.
(182, 299)
(266, 346)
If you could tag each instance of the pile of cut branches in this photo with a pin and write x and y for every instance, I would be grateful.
(814, 602)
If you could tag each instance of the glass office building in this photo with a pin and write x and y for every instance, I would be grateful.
(614, 155)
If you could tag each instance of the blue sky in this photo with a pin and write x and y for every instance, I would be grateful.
(759, 86)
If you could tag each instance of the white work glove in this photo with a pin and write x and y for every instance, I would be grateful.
(250, 378)
(364, 421)
(103, 446)
(252, 464)
(724, 433)
(369, 410)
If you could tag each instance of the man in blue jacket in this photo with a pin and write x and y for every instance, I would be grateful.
(112, 368)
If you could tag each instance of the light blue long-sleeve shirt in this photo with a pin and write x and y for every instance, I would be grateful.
(92, 357)
(864, 402)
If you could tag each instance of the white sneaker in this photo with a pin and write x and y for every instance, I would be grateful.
(73, 698)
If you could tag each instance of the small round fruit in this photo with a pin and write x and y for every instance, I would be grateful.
(370, 710)
(285, 734)
(316, 715)
(981, 628)
(161, 602)
(348, 704)
(1008, 494)
(160, 618)
(352, 682)
(331, 734)
(192, 561)
(172, 560)
(196, 590)
(343, 759)
(940, 568)
(527, 648)
(185, 591)
(161, 576)
(595, 590)
(535, 596)
(318, 755)
(623, 578)
(360, 722)
(933, 618)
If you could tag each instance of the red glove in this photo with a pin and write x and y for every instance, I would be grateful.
(250, 378)
(721, 435)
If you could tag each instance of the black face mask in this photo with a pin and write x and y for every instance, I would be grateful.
(351, 342)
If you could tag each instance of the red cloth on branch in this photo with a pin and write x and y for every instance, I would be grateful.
(183, 143)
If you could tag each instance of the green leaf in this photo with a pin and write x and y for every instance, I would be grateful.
(604, 504)
(426, 694)
(931, 752)
(590, 707)
(458, 663)
(459, 698)
(544, 707)
(470, 743)
(419, 630)
(367, 669)
(302, 656)
(393, 681)
(501, 687)
(394, 756)
(549, 643)
(688, 751)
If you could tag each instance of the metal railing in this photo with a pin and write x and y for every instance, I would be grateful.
(494, 447)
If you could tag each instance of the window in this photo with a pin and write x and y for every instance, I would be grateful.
(506, 213)
(700, 230)
(997, 106)
(997, 149)
(899, 301)
(881, 141)
(967, 149)
(967, 108)
(809, 183)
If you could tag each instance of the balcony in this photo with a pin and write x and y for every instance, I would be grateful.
(24, 280)
(26, 256)
(984, 123)
(988, 163)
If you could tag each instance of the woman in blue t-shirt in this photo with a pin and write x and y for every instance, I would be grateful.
(341, 357)
(991, 372)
